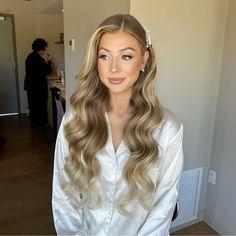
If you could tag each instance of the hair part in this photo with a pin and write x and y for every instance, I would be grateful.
(89, 104)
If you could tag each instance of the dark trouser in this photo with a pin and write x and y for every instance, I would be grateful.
(2, 141)
(37, 102)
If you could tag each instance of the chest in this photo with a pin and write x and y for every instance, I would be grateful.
(117, 126)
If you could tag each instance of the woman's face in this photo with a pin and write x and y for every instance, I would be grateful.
(119, 62)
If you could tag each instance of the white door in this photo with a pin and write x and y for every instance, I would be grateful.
(9, 99)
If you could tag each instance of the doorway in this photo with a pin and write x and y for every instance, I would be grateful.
(9, 92)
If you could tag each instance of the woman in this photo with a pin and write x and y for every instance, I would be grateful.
(118, 155)
(37, 67)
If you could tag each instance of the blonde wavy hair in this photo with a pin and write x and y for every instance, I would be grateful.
(89, 104)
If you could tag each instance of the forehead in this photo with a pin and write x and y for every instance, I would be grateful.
(118, 40)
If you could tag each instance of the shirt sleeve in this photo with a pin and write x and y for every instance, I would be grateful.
(68, 219)
(159, 219)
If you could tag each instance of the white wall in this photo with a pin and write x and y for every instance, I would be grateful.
(221, 205)
(49, 27)
(80, 20)
(188, 36)
(48, 21)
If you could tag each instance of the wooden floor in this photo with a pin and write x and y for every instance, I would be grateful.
(200, 228)
(25, 178)
(25, 181)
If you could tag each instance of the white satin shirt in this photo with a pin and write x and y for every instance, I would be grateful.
(106, 220)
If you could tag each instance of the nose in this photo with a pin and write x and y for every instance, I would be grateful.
(114, 66)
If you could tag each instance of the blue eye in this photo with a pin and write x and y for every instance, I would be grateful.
(103, 57)
(126, 57)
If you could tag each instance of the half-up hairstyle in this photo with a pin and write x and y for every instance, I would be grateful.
(89, 104)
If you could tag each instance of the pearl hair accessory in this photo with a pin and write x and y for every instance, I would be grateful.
(148, 37)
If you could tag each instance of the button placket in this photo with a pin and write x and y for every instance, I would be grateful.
(113, 175)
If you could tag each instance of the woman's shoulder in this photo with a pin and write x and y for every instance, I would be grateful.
(65, 119)
(33, 57)
(30, 56)
(67, 116)
(170, 119)
(169, 125)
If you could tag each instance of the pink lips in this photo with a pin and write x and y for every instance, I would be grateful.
(116, 80)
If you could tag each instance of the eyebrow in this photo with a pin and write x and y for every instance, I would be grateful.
(123, 49)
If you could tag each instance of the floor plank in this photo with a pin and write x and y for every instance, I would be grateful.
(25, 178)
(200, 228)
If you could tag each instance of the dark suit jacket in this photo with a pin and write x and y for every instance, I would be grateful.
(36, 70)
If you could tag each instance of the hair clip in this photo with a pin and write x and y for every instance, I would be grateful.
(148, 37)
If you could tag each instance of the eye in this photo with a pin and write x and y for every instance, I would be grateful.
(104, 57)
(126, 57)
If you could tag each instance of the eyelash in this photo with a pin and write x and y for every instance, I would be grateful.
(103, 57)
(126, 57)
(106, 57)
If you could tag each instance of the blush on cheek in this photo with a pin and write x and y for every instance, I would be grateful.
(102, 69)
(134, 69)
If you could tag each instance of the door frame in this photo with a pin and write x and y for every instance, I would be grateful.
(12, 17)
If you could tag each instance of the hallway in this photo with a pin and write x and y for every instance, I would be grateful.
(25, 178)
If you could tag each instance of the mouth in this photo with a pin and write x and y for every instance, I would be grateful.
(116, 80)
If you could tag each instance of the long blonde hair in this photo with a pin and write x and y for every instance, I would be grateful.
(89, 104)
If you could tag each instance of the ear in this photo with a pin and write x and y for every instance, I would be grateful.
(145, 57)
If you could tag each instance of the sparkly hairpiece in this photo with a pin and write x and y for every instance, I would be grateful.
(148, 37)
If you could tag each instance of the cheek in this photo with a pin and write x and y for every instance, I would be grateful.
(134, 68)
(102, 72)
(101, 68)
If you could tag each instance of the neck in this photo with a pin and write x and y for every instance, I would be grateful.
(119, 105)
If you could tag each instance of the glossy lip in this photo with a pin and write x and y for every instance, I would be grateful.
(116, 80)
